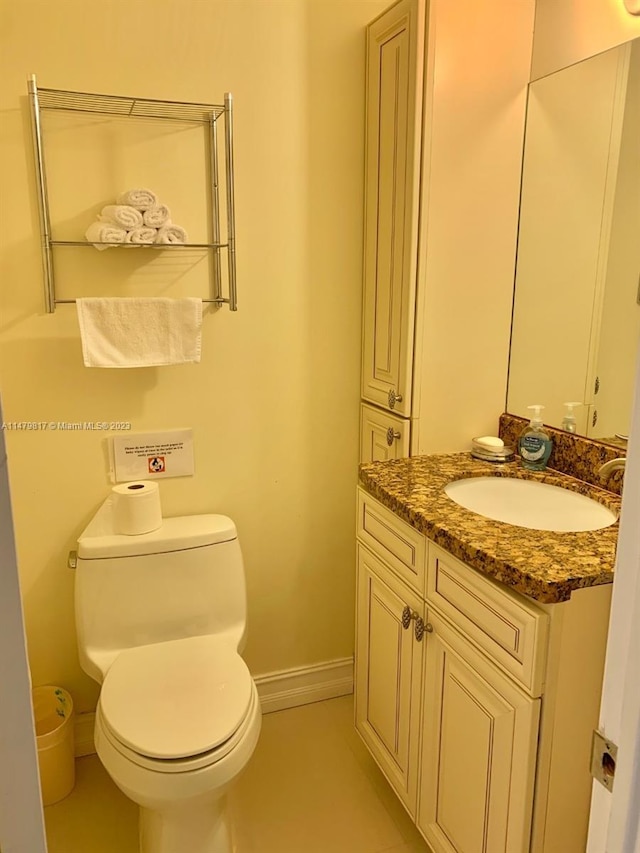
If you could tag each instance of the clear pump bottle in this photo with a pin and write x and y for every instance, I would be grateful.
(569, 419)
(534, 444)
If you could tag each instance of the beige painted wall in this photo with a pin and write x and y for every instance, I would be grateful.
(480, 56)
(274, 402)
(567, 31)
(480, 64)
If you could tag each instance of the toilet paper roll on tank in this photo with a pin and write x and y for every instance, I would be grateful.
(136, 507)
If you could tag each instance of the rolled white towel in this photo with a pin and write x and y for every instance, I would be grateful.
(104, 232)
(171, 233)
(141, 235)
(139, 198)
(157, 216)
(124, 215)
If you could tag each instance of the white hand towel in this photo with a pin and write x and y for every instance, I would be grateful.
(124, 215)
(157, 216)
(141, 235)
(104, 232)
(140, 198)
(171, 233)
(140, 332)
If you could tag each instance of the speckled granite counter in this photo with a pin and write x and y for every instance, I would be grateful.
(544, 565)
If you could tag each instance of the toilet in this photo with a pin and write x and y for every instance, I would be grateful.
(161, 622)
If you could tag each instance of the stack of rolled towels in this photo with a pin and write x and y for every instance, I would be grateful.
(136, 218)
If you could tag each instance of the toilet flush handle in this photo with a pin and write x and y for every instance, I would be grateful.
(72, 559)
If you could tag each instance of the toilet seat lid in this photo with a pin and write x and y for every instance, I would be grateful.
(176, 699)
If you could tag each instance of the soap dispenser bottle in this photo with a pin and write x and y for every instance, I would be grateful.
(569, 420)
(534, 444)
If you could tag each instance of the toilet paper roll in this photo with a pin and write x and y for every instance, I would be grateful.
(136, 507)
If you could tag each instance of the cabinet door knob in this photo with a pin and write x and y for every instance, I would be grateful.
(392, 435)
(394, 398)
(428, 628)
(409, 616)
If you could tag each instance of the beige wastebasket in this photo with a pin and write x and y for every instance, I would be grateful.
(53, 713)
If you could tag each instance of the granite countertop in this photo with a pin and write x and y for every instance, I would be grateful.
(542, 564)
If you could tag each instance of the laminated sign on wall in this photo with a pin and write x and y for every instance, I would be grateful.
(152, 455)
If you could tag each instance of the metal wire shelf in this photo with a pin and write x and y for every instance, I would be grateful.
(120, 105)
(127, 107)
(82, 244)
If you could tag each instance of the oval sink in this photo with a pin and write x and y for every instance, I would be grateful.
(528, 503)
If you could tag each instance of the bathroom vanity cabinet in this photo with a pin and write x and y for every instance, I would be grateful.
(383, 436)
(432, 222)
(395, 61)
(477, 702)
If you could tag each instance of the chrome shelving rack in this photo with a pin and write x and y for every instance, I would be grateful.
(115, 105)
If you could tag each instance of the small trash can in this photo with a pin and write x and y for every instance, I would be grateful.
(53, 713)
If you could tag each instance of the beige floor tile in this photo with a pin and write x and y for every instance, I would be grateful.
(311, 787)
(306, 793)
(318, 794)
(95, 818)
(384, 791)
(342, 719)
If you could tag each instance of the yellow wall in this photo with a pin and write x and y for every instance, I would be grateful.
(474, 128)
(567, 31)
(274, 402)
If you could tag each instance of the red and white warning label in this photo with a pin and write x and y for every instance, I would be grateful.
(156, 464)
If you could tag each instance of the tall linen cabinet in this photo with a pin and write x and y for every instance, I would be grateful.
(445, 108)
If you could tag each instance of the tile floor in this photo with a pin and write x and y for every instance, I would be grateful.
(311, 787)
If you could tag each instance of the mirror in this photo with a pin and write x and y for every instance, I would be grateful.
(576, 316)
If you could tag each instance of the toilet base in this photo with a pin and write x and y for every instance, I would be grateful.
(181, 810)
(195, 828)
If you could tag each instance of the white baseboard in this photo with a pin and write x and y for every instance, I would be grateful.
(287, 688)
(302, 685)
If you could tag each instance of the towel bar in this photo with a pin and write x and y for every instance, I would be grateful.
(123, 106)
(219, 301)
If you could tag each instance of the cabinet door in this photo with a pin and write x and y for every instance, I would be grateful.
(478, 752)
(388, 672)
(382, 436)
(394, 88)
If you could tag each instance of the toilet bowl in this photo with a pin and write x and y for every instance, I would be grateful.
(178, 716)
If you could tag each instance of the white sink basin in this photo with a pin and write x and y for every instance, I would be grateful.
(528, 503)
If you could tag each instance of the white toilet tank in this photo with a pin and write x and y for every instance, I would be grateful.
(185, 579)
